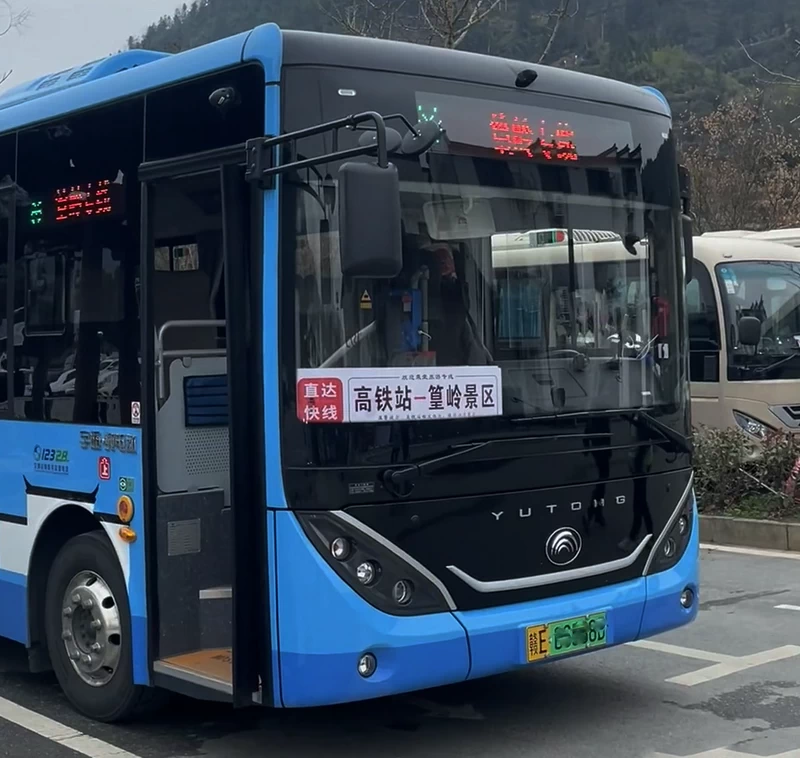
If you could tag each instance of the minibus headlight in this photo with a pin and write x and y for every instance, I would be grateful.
(752, 426)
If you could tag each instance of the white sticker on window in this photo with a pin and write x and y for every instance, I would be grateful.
(364, 395)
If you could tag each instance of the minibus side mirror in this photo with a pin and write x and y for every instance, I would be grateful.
(749, 331)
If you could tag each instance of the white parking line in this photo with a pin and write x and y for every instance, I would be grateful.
(56, 732)
(725, 752)
(792, 556)
(788, 607)
(723, 665)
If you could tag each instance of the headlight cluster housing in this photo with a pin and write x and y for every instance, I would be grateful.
(380, 572)
(673, 541)
(752, 426)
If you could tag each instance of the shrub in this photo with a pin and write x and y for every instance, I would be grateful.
(736, 477)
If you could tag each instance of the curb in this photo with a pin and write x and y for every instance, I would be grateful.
(745, 532)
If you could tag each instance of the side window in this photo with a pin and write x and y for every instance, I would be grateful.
(76, 268)
(8, 147)
(701, 307)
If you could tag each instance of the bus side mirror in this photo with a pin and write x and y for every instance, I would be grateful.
(749, 331)
(687, 227)
(370, 231)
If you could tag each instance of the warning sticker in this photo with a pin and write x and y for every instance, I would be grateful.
(364, 395)
(366, 301)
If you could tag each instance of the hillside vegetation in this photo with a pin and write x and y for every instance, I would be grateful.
(690, 50)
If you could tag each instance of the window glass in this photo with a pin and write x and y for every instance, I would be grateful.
(768, 290)
(701, 308)
(77, 268)
(7, 198)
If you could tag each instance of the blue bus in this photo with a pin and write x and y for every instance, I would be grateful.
(299, 409)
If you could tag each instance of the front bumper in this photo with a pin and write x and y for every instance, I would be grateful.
(324, 627)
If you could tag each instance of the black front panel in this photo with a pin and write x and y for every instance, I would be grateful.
(497, 538)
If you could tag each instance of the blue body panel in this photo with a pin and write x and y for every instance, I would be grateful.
(153, 75)
(61, 466)
(13, 597)
(325, 626)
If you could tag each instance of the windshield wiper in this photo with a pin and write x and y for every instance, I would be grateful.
(766, 369)
(642, 418)
(400, 481)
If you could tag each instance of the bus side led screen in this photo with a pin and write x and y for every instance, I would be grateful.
(77, 203)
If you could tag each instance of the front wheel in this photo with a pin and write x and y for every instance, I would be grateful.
(88, 627)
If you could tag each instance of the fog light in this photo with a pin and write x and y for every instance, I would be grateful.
(367, 664)
(340, 548)
(367, 572)
(683, 525)
(402, 591)
(687, 598)
(669, 548)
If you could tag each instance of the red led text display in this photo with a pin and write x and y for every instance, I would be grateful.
(77, 203)
(83, 201)
(515, 135)
(521, 131)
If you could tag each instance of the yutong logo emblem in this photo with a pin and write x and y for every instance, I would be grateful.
(563, 546)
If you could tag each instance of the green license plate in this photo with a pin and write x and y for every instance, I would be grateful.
(564, 637)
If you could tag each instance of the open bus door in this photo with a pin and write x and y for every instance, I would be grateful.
(203, 436)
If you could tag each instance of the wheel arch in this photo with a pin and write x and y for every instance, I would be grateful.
(62, 525)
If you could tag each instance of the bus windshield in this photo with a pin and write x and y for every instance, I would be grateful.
(769, 291)
(541, 262)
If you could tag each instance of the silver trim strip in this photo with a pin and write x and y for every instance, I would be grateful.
(216, 593)
(178, 672)
(676, 513)
(543, 580)
(401, 554)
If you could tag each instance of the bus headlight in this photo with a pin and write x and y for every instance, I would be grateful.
(381, 573)
(673, 541)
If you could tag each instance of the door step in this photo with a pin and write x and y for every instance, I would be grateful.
(206, 668)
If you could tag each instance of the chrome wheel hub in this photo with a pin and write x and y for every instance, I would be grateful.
(91, 629)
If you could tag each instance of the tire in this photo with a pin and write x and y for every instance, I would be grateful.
(88, 568)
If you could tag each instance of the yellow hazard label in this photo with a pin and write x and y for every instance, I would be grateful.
(366, 301)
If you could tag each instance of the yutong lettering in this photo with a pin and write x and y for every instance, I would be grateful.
(576, 505)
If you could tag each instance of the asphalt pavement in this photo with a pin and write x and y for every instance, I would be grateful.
(726, 687)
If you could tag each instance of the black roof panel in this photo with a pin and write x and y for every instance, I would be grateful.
(316, 49)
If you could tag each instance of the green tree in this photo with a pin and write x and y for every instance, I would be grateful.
(745, 167)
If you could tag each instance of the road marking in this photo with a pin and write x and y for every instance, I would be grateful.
(56, 732)
(788, 607)
(792, 556)
(722, 665)
(683, 652)
(723, 752)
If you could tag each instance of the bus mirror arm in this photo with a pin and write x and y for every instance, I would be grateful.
(370, 228)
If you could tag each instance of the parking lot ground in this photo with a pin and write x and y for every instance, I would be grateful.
(728, 686)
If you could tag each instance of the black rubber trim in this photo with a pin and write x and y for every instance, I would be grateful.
(89, 498)
(9, 518)
(109, 518)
